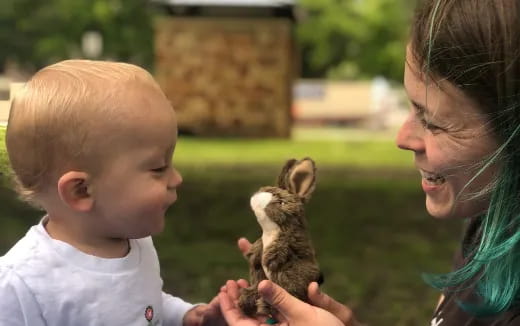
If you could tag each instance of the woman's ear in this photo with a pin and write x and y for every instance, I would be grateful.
(74, 190)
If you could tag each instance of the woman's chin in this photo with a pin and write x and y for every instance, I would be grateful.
(439, 210)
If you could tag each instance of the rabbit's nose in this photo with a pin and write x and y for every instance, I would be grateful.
(260, 200)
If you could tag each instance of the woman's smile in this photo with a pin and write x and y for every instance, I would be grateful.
(445, 157)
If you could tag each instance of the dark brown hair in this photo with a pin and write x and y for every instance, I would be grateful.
(475, 44)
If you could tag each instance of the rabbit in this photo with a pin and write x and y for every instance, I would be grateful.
(284, 253)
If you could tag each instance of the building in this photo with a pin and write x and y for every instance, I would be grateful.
(7, 89)
(372, 104)
(228, 66)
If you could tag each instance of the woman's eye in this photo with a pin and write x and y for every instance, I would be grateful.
(428, 125)
(431, 126)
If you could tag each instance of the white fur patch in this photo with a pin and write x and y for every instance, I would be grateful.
(270, 229)
(260, 200)
(267, 238)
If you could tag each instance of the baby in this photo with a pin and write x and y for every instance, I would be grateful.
(91, 143)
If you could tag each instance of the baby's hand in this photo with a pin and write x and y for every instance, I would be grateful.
(205, 315)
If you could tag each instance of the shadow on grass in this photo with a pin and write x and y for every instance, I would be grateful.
(369, 227)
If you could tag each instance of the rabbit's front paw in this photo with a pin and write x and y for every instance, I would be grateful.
(265, 309)
(247, 301)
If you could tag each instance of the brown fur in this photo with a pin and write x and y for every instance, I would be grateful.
(290, 258)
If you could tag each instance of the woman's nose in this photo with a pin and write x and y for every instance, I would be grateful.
(410, 135)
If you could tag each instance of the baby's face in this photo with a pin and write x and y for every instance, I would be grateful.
(138, 182)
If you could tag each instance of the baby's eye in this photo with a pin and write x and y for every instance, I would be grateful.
(160, 169)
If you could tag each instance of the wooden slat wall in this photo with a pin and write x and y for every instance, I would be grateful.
(227, 77)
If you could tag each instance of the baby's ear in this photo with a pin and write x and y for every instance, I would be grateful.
(302, 178)
(73, 188)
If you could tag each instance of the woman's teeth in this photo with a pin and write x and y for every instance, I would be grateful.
(433, 178)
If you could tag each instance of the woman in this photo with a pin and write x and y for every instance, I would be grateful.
(462, 76)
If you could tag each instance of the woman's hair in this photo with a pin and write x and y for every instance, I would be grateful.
(53, 119)
(475, 45)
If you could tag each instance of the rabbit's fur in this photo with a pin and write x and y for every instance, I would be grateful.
(284, 253)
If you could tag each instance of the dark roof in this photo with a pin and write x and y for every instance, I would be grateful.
(229, 3)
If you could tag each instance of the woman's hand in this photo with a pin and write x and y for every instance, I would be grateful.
(228, 299)
(292, 312)
(316, 297)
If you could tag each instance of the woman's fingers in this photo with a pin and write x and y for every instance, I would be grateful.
(232, 313)
(242, 283)
(229, 310)
(322, 300)
(287, 305)
(232, 290)
(244, 245)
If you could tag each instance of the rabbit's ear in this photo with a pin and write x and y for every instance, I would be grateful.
(302, 178)
(283, 178)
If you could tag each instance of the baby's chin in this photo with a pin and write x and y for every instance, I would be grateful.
(156, 230)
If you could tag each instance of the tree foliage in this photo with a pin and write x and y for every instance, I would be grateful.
(35, 33)
(337, 38)
(354, 38)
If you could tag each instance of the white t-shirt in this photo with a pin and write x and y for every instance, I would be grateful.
(48, 282)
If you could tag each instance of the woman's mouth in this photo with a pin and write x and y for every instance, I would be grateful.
(432, 178)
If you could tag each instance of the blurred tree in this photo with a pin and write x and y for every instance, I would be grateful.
(34, 33)
(338, 38)
(347, 39)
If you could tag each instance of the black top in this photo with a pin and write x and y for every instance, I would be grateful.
(449, 312)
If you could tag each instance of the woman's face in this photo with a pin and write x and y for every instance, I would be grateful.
(449, 136)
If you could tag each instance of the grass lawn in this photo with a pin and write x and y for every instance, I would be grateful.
(358, 153)
(367, 220)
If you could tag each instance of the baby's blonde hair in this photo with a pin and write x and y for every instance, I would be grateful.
(52, 119)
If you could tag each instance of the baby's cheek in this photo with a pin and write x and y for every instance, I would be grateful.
(156, 200)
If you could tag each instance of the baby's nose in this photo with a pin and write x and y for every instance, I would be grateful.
(260, 200)
(175, 179)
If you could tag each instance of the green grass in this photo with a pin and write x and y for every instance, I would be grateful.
(361, 153)
(366, 217)
(357, 153)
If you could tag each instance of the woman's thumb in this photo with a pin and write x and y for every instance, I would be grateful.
(287, 305)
